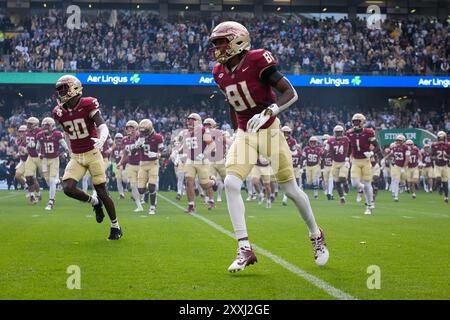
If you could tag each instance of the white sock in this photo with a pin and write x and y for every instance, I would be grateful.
(180, 183)
(368, 192)
(219, 188)
(330, 185)
(93, 200)
(244, 244)
(136, 196)
(85, 183)
(303, 205)
(119, 186)
(235, 205)
(52, 187)
(249, 185)
(115, 224)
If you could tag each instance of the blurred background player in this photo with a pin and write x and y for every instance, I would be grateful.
(312, 155)
(440, 151)
(412, 170)
(338, 147)
(298, 170)
(197, 142)
(83, 124)
(327, 163)
(23, 155)
(386, 170)
(150, 146)
(131, 158)
(361, 139)
(238, 69)
(427, 168)
(117, 152)
(33, 162)
(261, 181)
(48, 145)
(179, 160)
(376, 173)
(399, 155)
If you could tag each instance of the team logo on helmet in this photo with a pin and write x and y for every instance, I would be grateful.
(68, 87)
(358, 121)
(32, 123)
(194, 120)
(48, 124)
(146, 127)
(229, 38)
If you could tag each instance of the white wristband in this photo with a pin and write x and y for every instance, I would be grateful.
(275, 109)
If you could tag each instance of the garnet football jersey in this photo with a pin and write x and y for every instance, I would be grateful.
(193, 142)
(440, 153)
(151, 144)
(22, 148)
(78, 123)
(291, 143)
(312, 155)
(413, 157)
(133, 154)
(49, 144)
(31, 142)
(399, 153)
(297, 158)
(426, 159)
(243, 88)
(360, 141)
(339, 148)
(117, 152)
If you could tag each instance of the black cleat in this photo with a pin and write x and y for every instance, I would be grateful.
(115, 234)
(98, 209)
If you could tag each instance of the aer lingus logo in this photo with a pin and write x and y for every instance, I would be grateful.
(135, 78)
(356, 81)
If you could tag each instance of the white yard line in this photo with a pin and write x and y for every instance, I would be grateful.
(319, 283)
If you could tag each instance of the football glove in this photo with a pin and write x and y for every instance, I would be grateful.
(258, 120)
(98, 143)
(347, 163)
(153, 154)
(200, 157)
(368, 154)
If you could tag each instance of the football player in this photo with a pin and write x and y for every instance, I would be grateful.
(84, 126)
(400, 157)
(196, 142)
(21, 143)
(427, 168)
(261, 173)
(48, 144)
(246, 78)
(150, 146)
(179, 161)
(327, 177)
(386, 169)
(131, 158)
(217, 156)
(338, 146)
(117, 152)
(412, 171)
(440, 151)
(33, 162)
(376, 172)
(312, 155)
(361, 140)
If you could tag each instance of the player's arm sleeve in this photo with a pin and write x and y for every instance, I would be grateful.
(63, 144)
(66, 136)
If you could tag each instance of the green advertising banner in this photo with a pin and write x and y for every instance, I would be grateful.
(31, 77)
(419, 136)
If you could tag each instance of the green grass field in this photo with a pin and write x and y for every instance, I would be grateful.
(173, 255)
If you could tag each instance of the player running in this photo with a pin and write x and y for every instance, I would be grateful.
(440, 151)
(48, 144)
(150, 146)
(339, 146)
(246, 78)
(400, 157)
(412, 171)
(21, 143)
(33, 162)
(84, 126)
(327, 163)
(361, 139)
(427, 168)
(116, 153)
(312, 155)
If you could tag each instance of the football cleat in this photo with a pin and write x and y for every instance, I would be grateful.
(395, 199)
(328, 196)
(368, 210)
(211, 204)
(121, 196)
(359, 196)
(178, 197)
(321, 253)
(285, 200)
(342, 201)
(219, 199)
(190, 209)
(50, 205)
(152, 210)
(249, 198)
(98, 209)
(414, 195)
(446, 200)
(245, 257)
(115, 234)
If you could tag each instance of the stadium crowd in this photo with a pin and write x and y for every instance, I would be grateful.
(142, 40)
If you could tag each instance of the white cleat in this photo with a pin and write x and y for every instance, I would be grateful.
(260, 199)
(321, 253)
(249, 198)
(219, 199)
(359, 197)
(140, 209)
(285, 200)
(268, 204)
(368, 211)
(152, 210)
(245, 257)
